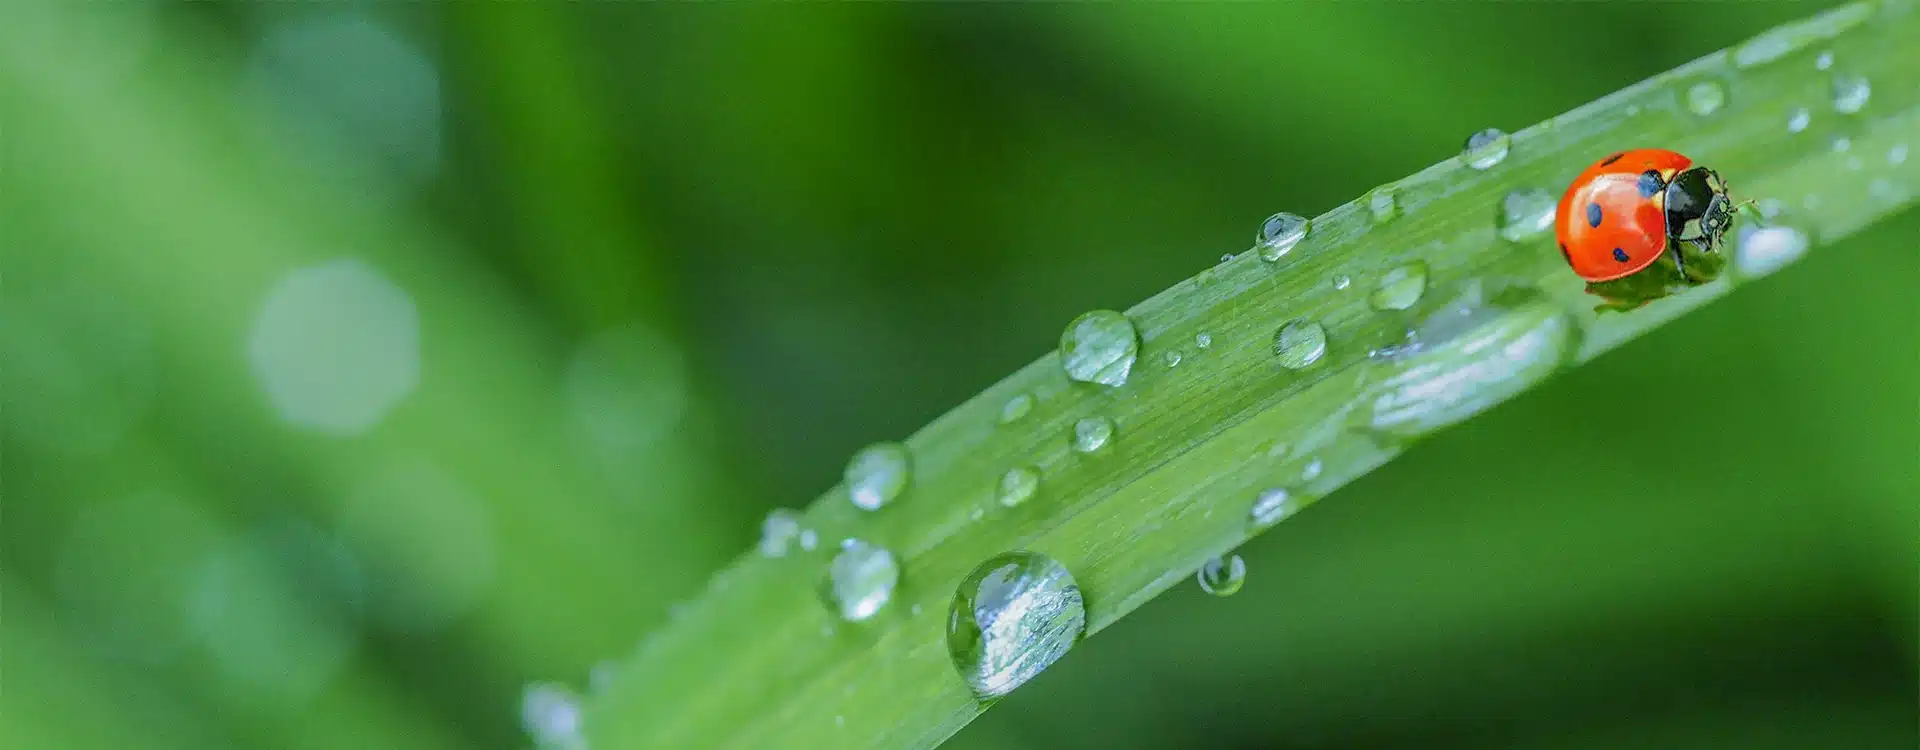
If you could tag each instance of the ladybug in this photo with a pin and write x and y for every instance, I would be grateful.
(1644, 224)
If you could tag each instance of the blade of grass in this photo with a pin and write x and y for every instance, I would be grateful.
(758, 662)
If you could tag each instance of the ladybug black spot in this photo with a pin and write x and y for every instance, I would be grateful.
(1620, 255)
(1593, 214)
(1612, 159)
(1650, 184)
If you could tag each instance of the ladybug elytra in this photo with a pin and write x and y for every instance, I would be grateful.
(1644, 224)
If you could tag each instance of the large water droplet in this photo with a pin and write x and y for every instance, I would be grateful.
(1013, 617)
(1799, 119)
(1486, 148)
(860, 580)
(877, 474)
(1383, 204)
(551, 715)
(1091, 434)
(1764, 250)
(1525, 213)
(779, 531)
(1850, 93)
(1222, 577)
(1299, 344)
(1706, 97)
(1400, 287)
(1100, 347)
(1279, 233)
(1018, 485)
(1015, 408)
(1272, 506)
(1473, 352)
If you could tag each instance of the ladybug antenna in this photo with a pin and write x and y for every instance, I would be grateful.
(1753, 212)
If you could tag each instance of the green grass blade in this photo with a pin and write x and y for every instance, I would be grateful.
(758, 661)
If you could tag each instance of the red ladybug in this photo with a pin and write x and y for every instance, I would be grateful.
(1643, 224)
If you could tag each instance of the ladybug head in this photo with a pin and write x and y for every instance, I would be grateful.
(1698, 206)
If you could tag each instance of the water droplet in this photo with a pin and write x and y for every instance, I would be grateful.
(1099, 347)
(1018, 485)
(915, 611)
(1016, 407)
(1897, 155)
(1474, 351)
(1342, 281)
(1798, 119)
(779, 531)
(1013, 617)
(1272, 506)
(1222, 577)
(1525, 213)
(840, 720)
(1203, 340)
(1227, 258)
(1841, 144)
(860, 580)
(1486, 148)
(1313, 470)
(1172, 358)
(977, 514)
(1400, 287)
(1824, 61)
(877, 474)
(1091, 434)
(1706, 97)
(551, 715)
(1762, 251)
(1383, 204)
(1633, 110)
(1279, 233)
(809, 539)
(1299, 344)
(1850, 94)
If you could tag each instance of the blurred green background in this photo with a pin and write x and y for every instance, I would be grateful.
(365, 361)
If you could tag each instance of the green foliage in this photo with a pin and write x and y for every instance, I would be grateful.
(757, 662)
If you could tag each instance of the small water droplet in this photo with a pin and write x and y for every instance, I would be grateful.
(1824, 61)
(1018, 485)
(1227, 258)
(1798, 119)
(1763, 250)
(1203, 340)
(1279, 233)
(1172, 358)
(877, 474)
(1100, 347)
(1091, 434)
(1300, 344)
(840, 720)
(809, 539)
(551, 715)
(1897, 155)
(1841, 144)
(1313, 470)
(1400, 287)
(1013, 617)
(1383, 204)
(1222, 577)
(1272, 506)
(779, 531)
(1470, 352)
(860, 580)
(1706, 97)
(1486, 148)
(1525, 213)
(1342, 281)
(915, 611)
(1017, 407)
(977, 514)
(1850, 94)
